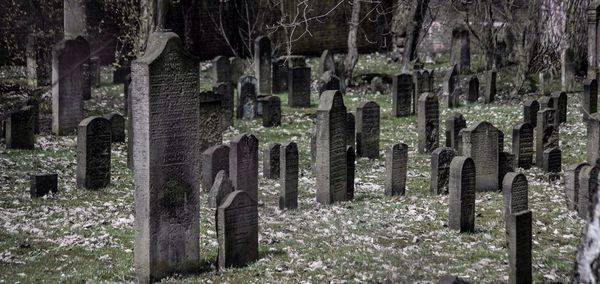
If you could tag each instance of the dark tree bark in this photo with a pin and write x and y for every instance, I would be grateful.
(418, 11)
(576, 33)
(352, 57)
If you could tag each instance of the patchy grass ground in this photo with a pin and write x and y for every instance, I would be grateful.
(80, 235)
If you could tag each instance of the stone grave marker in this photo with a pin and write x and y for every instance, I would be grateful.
(567, 74)
(589, 100)
(246, 98)
(351, 172)
(396, 166)
(237, 68)
(39, 59)
(367, 130)
(519, 247)
(402, 93)
(552, 162)
(20, 129)
(263, 65)
(214, 160)
(329, 82)
(271, 160)
(481, 142)
(221, 69)
(506, 162)
(288, 173)
(428, 123)
(326, 63)
(522, 145)
(93, 153)
(453, 100)
(451, 80)
(243, 164)
(350, 130)
(440, 169)
(454, 124)
(219, 189)
(546, 135)
(530, 110)
(461, 51)
(271, 115)
(117, 124)
(280, 75)
(299, 80)
(473, 91)
(211, 116)
(572, 184)
(461, 202)
(560, 105)
(490, 86)
(418, 85)
(515, 194)
(546, 102)
(43, 184)
(225, 90)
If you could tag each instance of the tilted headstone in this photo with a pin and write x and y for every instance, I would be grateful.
(43, 184)
(451, 80)
(95, 74)
(552, 161)
(350, 130)
(481, 142)
(262, 65)
(219, 189)
(572, 184)
(246, 98)
(515, 194)
(490, 86)
(225, 90)
(560, 105)
(367, 130)
(68, 57)
(530, 110)
(329, 82)
(588, 184)
(589, 99)
(243, 164)
(237, 223)
(546, 135)
(271, 160)
(402, 93)
(326, 63)
(519, 247)
(221, 69)
(211, 117)
(461, 202)
(473, 91)
(567, 68)
(428, 120)
(271, 114)
(396, 166)
(522, 145)
(20, 129)
(288, 173)
(237, 68)
(588, 253)
(461, 51)
(167, 127)
(440, 169)
(351, 172)
(214, 160)
(506, 164)
(299, 80)
(331, 155)
(93, 153)
(117, 124)
(454, 124)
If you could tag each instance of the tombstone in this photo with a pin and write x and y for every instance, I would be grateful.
(552, 161)
(237, 67)
(260, 102)
(211, 116)
(221, 69)
(20, 129)
(515, 193)
(505, 165)
(271, 115)
(351, 172)
(572, 184)
(454, 124)
(481, 143)
(588, 254)
(117, 123)
(68, 85)
(93, 153)
(418, 85)
(490, 86)
(440, 169)
(560, 105)
(519, 247)
(243, 164)
(299, 81)
(329, 82)
(271, 160)
(589, 100)
(568, 65)
(127, 94)
(350, 130)
(461, 188)
(546, 102)
(453, 100)
(428, 81)
(331, 152)
(95, 74)
(473, 91)
(246, 98)
(219, 189)
(39, 60)
(428, 123)
(326, 63)
(288, 173)
(280, 75)
(396, 165)
(593, 138)
(237, 223)
(367, 130)
(461, 51)
(593, 44)
(225, 90)
(43, 184)
(451, 80)
(167, 127)
(402, 92)
(214, 160)
(588, 184)
(545, 78)
(522, 145)
(530, 110)
(546, 135)
(262, 65)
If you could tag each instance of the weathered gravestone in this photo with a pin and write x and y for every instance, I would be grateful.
(367, 130)
(263, 65)
(117, 124)
(588, 254)
(246, 97)
(288, 173)
(473, 91)
(95, 74)
(167, 127)
(461, 51)
(68, 57)
(396, 166)
(329, 82)
(402, 93)
(440, 169)
(214, 160)
(243, 164)
(38, 54)
(219, 189)
(211, 116)
(506, 165)
(93, 153)
(454, 124)
(588, 183)
(593, 137)
(567, 68)
(451, 80)
(522, 145)
(237, 223)
(237, 67)
(260, 102)
(519, 247)
(552, 162)
(326, 63)
(453, 99)
(225, 90)
(461, 188)
(271, 111)
(299, 80)
(546, 135)
(350, 130)
(490, 86)
(530, 110)
(271, 160)
(43, 184)
(515, 194)
(331, 155)
(428, 81)
(545, 77)
(428, 120)
(589, 99)
(546, 102)
(572, 184)
(20, 129)
(221, 69)
(350, 171)
(481, 142)
(560, 105)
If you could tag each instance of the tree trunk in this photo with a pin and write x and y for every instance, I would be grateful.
(352, 56)
(414, 29)
(576, 33)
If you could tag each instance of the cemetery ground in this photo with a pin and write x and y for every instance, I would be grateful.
(80, 235)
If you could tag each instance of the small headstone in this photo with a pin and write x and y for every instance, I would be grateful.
(117, 124)
(288, 173)
(95, 74)
(271, 111)
(326, 63)
(530, 110)
(20, 129)
(402, 93)
(546, 135)
(271, 160)
(428, 123)
(219, 189)
(516, 194)
(221, 69)
(351, 172)
(454, 124)
(560, 105)
(396, 166)
(299, 81)
(214, 160)
(350, 130)
(473, 91)
(451, 80)
(552, 162)
(522, 145)
(43, 184)
(589, 100)
(462, 191)
(263, 65)
(490, 86)
(461, 51)
(225, 90)
(546, 102)
(243, 164)
(453, 100)
(237, 67)
(93, 153)
(519, 247)
(572, 184)
(588, 184)
(440, 169)
(246, 98)
(367, 130)
(481, 142)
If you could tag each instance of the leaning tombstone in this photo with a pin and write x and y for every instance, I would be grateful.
(93, 153)
(428, 123)
(263, 65)
(288, 173)
(350, 130)
(20, 129)
(326, 63)
(572, 184)
(117, 124)
(214, 160)
(440, 169)
(43, 184)
(546, 135)
(530, 110)
(481, 143)
(396, 165)
(519, 247)
(522, 145)
(351, 172)
(243, 164)
(473, 91)
(221, 69)
(589, 100)
(246, 98)
(225, 90)
(402, 93)
(560, 105)
(299, 80)
(271, 112)
(367, 130)
(454, 124)
(490, 86)
(219, 189)
(271, 161)
(461, 189)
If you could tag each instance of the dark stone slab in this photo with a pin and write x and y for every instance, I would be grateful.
(288, 173)
(552, 162)
(588, 182)
(350, 130)
(263, 65)
(530, 110)
(271, 160)
(299, 81)
(225, 89)
(402, 94)
(326, 62)
(473, 91)
(351, 172)
(243, 164)
(367, 130)
(428, 120)
(515, 193)
(519, 247)
(238, 230)
(93, 153)
(43, 184)
(572, 184)
(589, 99)
(505, 165)
(451, 80)
(546, 134)
(219, 189)
(460, 54)
(454, 124)
(481, 142)
(271, 111)
(246, 98)
(560, 105)
(20, 129)
(117, 123)
(440, 169)
(396, 166)
(221, 69)
(522, 145)
(490, 86)
(211, 117)
(462, 192)
(214, 160)
(329, 82)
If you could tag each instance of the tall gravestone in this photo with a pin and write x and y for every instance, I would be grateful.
(428, 121)
(350, 172)
(68, 57)
(546, 134)
(461, 51)
(567, 68)
(246, 98)
(572, 184)
(522, 145)
(451, 80)
(593, 137)
(326, 63)
(280, 74)
(299, 80)
(221, 69)
(211, 117)
(41, 185)
(219, 189)
(271, 161)
(530, 110)
(329, 82)
(243, 164)
(288, 173)
(461, 202)
(396, 166)
(350, 130)
(367, 130)
(515, 194)
(166, 123)
(262, 65)
(19, 129)
(271, 111)
(214, 160)
(331, 155)
(402, 93)
(589, 99)
(481, 143)
(454, 124)
(473, 91)
(440, 169)
(560, 105)
(225, 90)
(519, 247)
(552, 162)
(38, 54)
(490, 86)
(93, 153)
(117, 124)
(593, 44)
